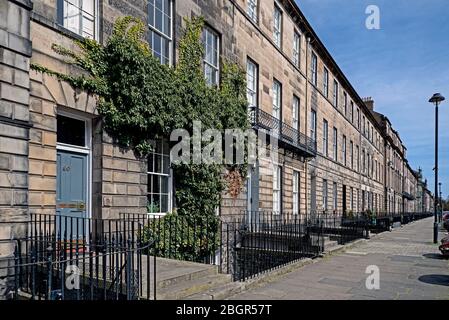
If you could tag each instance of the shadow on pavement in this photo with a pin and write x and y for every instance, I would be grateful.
(435, 256)
(439, 279)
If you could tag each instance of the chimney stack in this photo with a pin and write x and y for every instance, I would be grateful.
(369, 102)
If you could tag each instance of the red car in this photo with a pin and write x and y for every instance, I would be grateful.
(444, 247)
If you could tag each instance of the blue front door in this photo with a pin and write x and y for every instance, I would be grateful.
(71, 193)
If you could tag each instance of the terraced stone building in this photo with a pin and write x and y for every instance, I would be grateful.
(335, 155)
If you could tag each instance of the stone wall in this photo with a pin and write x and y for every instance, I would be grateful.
(15, 52)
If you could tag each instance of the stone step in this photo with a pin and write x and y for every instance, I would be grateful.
(207, 270)
(218, 293)
(330, 244)
(184, 289)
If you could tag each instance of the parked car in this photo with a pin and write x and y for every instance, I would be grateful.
(444, 247)
(446, 220)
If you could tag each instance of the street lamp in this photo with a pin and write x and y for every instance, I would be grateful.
(436, 99)
(441, 205)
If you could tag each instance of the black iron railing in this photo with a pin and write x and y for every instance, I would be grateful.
(286, 135)
(259, 241)
(116, 258)
(70, 258)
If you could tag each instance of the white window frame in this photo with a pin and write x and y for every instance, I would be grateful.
(313, 123)
(297, 48)
(252, 77)
(295, 191)
(296, 104)
(277, 175)
(207, 30)
(325, 138)
(326, 82)
(170, 181)
(154, 29)
(63, 20)
(358, 158)
(277, 25)
(277, 99)
(314, 68)
(325, 195)
(335, 144)
(252, 10)
(351, 153)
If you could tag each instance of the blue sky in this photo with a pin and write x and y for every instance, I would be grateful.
(400, 66)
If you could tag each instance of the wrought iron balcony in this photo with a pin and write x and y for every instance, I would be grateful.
(287, 136)
(408, 196)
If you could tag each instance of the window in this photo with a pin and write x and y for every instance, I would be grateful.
(159, 178)
(211, 56)
(335, 144)
(351, 154)
(363, 126)
(295, 192)
(352, 112)
(368, 163)
(375, 172)
(252, 79)
(358, 118)
(71, 131)
(295, 110)
(160, 24)
(325, 138)
(325, 194)
(252, 10)
(358, 158)
(313, 124)
(326, 83)
(335, 195)
(363, 161)
(296, 49)
(80, 17)
(277, 94)
(344, 150)
(351, 198)
(277, 26)
(277, 189)
(335, 94)
(314, 68)
(345, 98)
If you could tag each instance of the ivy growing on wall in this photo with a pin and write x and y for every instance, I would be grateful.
(139, 99)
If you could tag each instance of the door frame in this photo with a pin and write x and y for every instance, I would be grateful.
(81, 150)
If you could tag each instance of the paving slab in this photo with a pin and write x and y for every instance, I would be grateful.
(410, 267)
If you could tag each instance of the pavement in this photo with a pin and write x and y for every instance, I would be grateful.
(409, 265)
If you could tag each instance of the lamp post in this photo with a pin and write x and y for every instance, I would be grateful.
(441, 205)
(436, 99)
